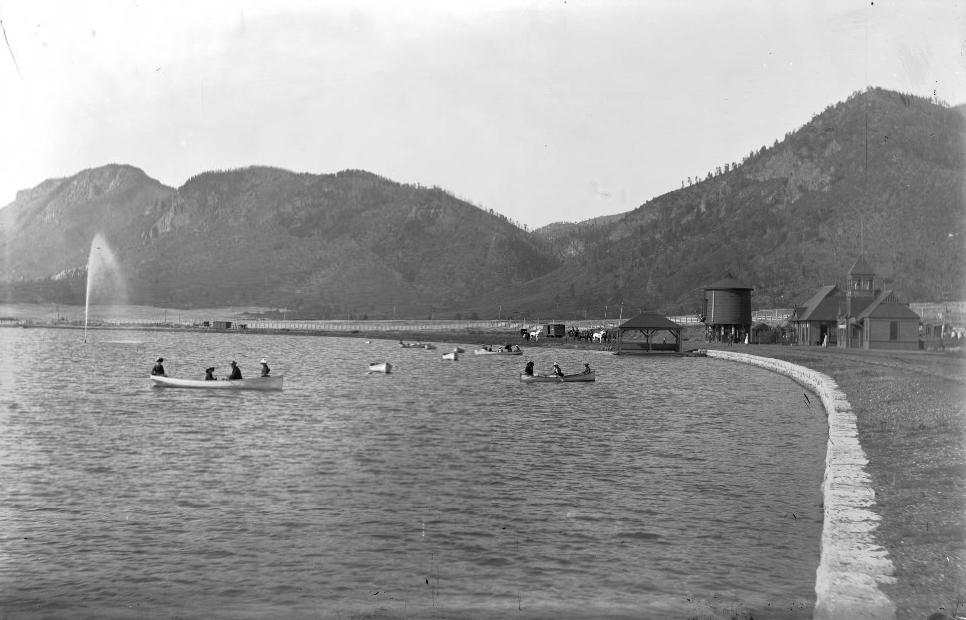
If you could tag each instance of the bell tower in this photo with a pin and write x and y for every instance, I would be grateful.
(859, 283)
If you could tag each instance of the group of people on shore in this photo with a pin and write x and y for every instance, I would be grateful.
(234, 375)
(557, 371)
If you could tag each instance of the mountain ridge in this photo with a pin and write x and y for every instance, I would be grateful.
(881, 174)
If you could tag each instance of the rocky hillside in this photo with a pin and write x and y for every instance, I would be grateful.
(320, 245)
(882, 174)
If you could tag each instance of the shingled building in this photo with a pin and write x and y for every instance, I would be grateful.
(861, 316)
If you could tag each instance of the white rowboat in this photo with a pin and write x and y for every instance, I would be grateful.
(256, 383)
(553, 379)
(385, 367)
(497, 352)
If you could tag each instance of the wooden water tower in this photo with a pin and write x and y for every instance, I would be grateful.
(727, 310)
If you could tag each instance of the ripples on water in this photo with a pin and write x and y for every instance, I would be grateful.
(671, 487)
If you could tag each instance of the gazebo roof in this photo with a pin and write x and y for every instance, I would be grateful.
(649, 320)
(727, 284)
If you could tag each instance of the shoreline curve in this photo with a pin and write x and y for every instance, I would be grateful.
(851, 564)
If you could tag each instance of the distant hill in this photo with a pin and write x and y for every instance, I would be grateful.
(560, 229)
(882, 174)
(351, 243)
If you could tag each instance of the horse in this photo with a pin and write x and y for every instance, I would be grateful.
(534, 334)
(599, 336)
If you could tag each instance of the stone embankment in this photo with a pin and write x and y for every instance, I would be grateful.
(852, 565)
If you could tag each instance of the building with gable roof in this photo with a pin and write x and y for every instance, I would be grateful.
(817, 320)
(860, 316)
(886, 323)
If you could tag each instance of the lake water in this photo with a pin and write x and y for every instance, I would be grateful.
(670, 488)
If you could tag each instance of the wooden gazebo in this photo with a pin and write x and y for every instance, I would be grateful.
(636, 335)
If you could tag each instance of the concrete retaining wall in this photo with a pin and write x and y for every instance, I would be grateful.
(852, 565)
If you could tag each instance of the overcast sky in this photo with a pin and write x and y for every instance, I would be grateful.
(543, 110)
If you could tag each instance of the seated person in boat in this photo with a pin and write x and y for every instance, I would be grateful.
(556, 371)
(529, 369)
(235, 372)
(516, 347)
(158, 369)
(587, 369)
(508, 347)
(265, 368)
(210, 373)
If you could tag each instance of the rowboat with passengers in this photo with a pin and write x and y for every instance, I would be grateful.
(255, 383)
(590, 376)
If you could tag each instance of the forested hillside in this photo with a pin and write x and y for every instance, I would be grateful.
(881, 174)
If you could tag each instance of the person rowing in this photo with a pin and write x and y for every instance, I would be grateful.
(265, 368)
(587, 369)
(158, 369)
(529, 369)
(235, 372)
(210, 373)
(557, 372)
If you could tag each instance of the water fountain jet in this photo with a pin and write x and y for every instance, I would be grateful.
(103, 276)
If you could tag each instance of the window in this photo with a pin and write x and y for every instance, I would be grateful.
(893, 330)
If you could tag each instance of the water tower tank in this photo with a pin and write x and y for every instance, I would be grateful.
(727, 302)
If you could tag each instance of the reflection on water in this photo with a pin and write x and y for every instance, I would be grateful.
(671, 487)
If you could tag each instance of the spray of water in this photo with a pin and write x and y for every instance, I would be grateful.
(104, 280)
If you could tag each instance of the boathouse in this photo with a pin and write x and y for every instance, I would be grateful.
(861, 316)
(727, 310)
(648, 332)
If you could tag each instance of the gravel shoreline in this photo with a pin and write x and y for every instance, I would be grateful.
(910, 409)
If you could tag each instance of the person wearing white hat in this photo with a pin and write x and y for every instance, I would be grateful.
(556, 370)
(265, 368)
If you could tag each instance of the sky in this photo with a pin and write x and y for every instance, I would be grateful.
(541, 110)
